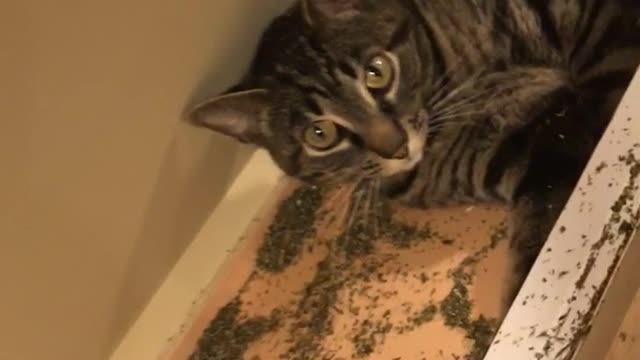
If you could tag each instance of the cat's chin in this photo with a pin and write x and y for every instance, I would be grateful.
(394, 185)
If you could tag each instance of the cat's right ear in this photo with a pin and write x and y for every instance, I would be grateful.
(237, 114)
(319, 11)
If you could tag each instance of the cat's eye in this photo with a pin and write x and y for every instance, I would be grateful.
(378, 73)
(322, 135)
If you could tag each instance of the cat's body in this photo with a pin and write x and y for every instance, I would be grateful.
(442, 102)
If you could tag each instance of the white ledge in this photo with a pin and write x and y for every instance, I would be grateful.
(559, 312)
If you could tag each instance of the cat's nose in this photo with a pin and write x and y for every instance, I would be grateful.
(385, 138)
(402, 153)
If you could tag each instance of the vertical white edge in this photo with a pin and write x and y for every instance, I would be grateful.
(171, 306)
(586, 258)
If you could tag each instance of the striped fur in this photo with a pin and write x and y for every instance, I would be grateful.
(498, 100)
(495, 66)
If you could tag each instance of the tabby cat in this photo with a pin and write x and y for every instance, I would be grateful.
(439, 102)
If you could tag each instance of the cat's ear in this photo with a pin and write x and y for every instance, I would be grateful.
(318, 11)
(235, 114)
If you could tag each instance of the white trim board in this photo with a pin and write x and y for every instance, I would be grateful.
(587, 259)
(171, 308)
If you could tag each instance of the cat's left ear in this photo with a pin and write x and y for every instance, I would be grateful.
(319, 11)
(236, 114)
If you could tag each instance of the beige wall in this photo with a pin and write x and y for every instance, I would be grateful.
(101, 187)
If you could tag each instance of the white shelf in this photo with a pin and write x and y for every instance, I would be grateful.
(564, 316)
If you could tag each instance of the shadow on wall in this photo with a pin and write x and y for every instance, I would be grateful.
(197, 169)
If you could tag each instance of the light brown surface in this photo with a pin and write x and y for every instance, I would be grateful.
(626, 345)
(401, 271)
(262, 292)
(100, 188)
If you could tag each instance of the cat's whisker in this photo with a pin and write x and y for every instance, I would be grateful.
(447, 124)
(459, 115)
(367, 204)
(454, 101)
(475, 99)
(460, 112)
(355, 207)
(339, 179)
(444, 92)
(344, 212)
(472, 108)
(444, 122)
(441, 84)
(338, 196)
(376, 207)
(465, 85)
(441, 124)
(347, 189)
(353, 186)
(435, 129)
(329, 200)
(345, 202)
(441, 80)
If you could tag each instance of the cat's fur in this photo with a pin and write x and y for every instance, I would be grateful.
(494, 100)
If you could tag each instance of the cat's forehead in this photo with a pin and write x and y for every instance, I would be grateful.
(285, 42)
(306, 67)
(290, 40)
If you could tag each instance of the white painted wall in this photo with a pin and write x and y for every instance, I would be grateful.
(101, 187)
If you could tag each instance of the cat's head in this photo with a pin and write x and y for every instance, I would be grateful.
(334, 93)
